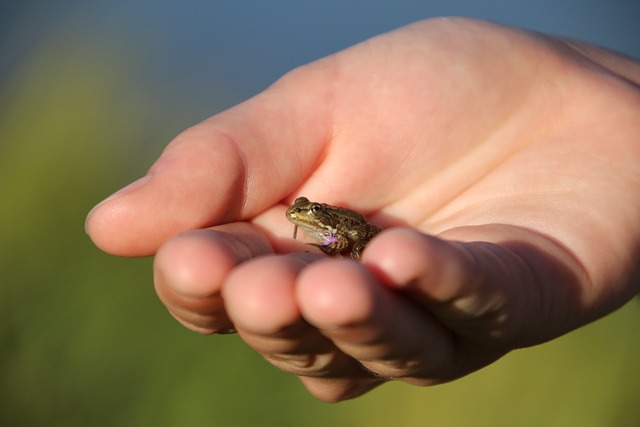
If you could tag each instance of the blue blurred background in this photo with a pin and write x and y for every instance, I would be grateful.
(90, 93)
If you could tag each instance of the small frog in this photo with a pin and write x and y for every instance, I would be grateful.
(339, 229)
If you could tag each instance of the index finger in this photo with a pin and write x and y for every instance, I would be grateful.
(189, 271)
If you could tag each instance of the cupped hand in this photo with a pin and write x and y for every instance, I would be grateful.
(504, 165)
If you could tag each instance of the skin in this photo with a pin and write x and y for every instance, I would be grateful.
(503, 165)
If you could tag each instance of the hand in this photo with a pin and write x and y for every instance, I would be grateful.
(505, 165)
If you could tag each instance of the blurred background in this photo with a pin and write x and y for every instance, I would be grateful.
(91, 92)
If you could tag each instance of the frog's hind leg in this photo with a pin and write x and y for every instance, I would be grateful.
(356, 250)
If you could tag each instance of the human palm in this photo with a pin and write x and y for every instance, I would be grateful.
(504, 164)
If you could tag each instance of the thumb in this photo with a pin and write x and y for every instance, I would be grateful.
(228, 168)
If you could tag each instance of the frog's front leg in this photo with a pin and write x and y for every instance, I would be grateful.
(332, 243)
(327, 249)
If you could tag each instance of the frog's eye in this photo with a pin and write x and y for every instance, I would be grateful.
(316, 208)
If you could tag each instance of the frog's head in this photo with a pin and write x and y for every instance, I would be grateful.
(312, 217)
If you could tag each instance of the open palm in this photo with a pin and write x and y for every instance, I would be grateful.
(505, 165)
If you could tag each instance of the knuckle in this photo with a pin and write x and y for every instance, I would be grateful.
(309, 364)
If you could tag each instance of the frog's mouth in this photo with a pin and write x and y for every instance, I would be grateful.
(327, 237)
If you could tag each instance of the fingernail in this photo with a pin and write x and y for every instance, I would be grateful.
(127, 189)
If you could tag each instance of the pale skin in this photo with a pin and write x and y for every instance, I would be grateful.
(503, 165)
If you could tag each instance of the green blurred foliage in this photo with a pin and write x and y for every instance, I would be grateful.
(86, 342)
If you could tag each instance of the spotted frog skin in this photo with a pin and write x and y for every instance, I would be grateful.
(338, 229)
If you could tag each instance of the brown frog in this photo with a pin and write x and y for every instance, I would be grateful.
(339, 229)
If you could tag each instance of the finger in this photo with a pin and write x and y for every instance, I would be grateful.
(225, 169)
(386, 333)
(490, 291)
(260, 299)
(190, 268)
